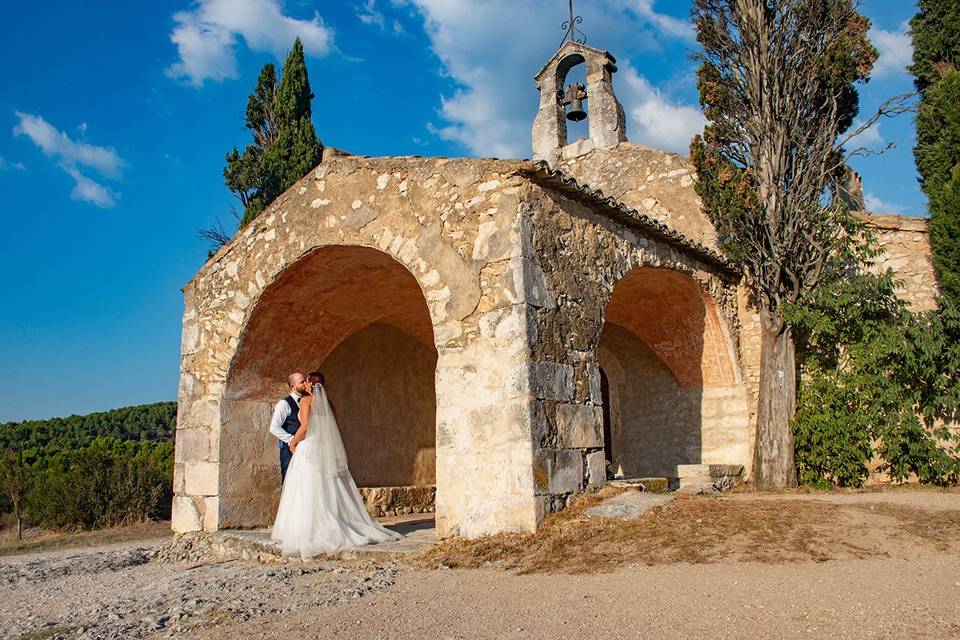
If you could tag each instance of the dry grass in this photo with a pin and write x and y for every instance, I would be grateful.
(938, 528)
(36, 540)
(702, 530)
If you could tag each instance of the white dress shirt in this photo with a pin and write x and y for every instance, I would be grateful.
(280, 414)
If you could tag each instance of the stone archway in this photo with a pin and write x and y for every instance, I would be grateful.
(454, 226)
(359, 316)
(674, 389)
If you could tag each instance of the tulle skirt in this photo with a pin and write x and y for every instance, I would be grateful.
(322, 512)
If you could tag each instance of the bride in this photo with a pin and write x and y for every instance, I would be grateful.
(321, 510)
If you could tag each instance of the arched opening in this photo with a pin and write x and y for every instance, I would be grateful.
(572, 72)
(663, 350)
(360, 317)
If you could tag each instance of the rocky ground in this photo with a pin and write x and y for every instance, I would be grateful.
(134, 591)
(902, 580)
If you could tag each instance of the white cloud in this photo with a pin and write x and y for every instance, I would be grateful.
(207, 35)
(896, 50)
(368, 14)
(6, 165)
(70, 155)
(58, 145)
(668, 24)
(87, 190)
(653, 119)
(876, 205)
(871, 138)
(492, 49)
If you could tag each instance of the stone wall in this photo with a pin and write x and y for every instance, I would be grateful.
(380, 382)
(660, 185)
(906, 245)
(656, 183)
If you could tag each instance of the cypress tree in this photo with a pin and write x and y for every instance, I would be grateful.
(285, 146)
(777, 85)
(936, 55)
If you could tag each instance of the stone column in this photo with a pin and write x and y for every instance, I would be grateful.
(484, 457)
(196, 475)
(550, 126)
(608, 126)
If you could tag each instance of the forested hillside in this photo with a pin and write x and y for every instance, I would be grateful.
(95, 470)
(141, 422)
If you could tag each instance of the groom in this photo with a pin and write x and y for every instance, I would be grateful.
(286, 418)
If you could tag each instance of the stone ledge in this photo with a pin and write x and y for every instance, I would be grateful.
(398, 501)
(894, 222)
(648, 485)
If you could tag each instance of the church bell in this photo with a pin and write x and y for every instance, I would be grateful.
(573, 101)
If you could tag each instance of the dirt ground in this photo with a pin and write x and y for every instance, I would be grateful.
(38, 540)
(877, 565)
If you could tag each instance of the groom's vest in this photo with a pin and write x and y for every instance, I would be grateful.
(292, 423)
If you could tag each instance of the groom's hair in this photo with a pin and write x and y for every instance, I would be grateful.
(316, 376)
(294, 378)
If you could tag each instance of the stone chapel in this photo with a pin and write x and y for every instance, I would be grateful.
(492, 332)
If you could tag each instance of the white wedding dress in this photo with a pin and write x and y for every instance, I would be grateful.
(321, 510)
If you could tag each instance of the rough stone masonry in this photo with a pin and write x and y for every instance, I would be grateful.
(499, 332)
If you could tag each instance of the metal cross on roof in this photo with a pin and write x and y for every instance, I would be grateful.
(570, 26)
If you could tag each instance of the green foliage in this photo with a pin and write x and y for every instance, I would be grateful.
(936, 46)
(95, 470)
(878, 382)
(107, 483)
(285, 145)
(142, 422)
(936, 36)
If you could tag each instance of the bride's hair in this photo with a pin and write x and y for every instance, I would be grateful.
(316, 377)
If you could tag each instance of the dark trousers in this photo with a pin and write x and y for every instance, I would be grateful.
(285, 456)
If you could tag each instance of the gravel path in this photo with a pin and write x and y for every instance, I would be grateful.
(910, 588)
(846, 599)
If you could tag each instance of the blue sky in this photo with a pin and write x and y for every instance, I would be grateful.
(115, 118)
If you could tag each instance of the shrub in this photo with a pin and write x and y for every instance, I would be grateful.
(878, 382)
(107, 483)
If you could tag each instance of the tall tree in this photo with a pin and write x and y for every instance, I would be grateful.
(936, 65)
(285, 146)
(777, 85)
(15, 482)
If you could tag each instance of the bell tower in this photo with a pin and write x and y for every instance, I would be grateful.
(558, 103)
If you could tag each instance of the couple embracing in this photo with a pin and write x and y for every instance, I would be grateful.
(321, 510)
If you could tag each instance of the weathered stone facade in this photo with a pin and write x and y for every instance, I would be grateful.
(495, 329)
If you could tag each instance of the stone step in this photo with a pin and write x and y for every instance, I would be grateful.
(694, 478)
(419, 534)
(628, 505)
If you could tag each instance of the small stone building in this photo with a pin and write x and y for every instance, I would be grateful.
(496, 329)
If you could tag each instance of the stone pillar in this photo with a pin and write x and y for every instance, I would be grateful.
(484, 457)
(196, 469)
(608, 124)
(550, 126)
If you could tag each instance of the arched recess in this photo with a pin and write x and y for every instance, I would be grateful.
(360, 317)
(671, 372)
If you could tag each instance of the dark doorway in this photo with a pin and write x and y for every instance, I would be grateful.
(607, 431)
